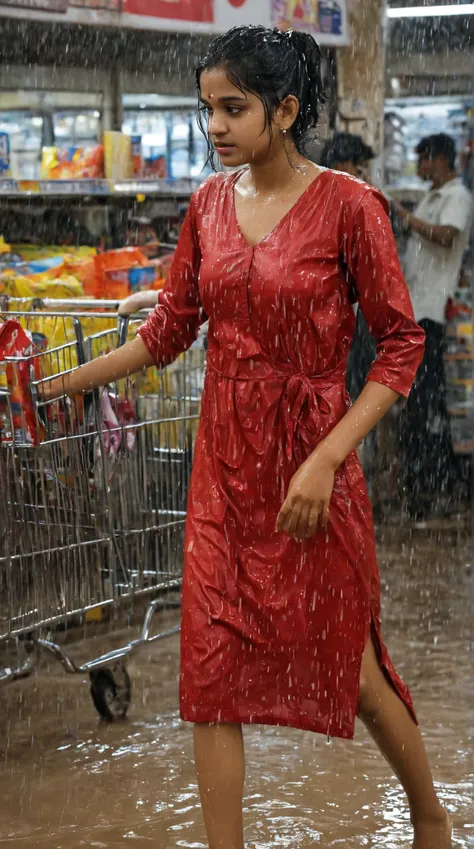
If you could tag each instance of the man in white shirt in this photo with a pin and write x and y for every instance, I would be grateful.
(439, 237)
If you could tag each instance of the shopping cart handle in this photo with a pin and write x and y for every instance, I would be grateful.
(122, 329)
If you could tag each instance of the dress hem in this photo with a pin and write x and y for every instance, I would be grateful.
(203, 717)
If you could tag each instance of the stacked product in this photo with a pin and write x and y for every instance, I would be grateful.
(27, 271)
(459, 371)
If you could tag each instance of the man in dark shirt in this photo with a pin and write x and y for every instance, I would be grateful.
(349, 153)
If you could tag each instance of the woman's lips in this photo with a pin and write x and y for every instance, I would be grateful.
(223, 149)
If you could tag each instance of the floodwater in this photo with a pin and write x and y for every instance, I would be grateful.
(69, 781)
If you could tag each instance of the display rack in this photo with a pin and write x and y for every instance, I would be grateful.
(27, 205)
(50, 189)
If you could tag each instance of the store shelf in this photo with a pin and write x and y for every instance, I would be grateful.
(451, 358)
(460, 411)
(466, 447)
(49, 189)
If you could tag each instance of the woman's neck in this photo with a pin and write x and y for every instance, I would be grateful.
(281, 169)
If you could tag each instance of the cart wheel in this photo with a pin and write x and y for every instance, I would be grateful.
(111, 691)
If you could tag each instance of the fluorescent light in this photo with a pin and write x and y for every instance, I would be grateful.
(430, 11)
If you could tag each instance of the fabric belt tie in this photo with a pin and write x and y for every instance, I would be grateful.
(300, 393)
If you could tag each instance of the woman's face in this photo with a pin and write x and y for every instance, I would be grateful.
(236, 121)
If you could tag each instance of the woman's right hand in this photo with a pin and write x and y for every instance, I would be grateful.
(51, 389)
(122, 362)
(138, 301)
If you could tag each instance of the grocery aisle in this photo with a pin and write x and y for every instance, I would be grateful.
(69, 781)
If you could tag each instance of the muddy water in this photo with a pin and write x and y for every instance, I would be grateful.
(68, 781)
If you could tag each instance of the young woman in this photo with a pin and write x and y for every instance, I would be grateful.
(280, 604)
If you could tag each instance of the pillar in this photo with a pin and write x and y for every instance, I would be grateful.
(360, 72)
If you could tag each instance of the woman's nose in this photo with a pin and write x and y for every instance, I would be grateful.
(217, 125)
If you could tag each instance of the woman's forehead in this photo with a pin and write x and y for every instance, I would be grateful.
(215, 85)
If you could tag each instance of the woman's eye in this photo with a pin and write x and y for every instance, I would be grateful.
(208, 111)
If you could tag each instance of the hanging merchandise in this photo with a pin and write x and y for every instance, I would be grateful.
(20, 366)
(327, 20)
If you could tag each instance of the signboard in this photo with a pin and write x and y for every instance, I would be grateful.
(325, 19)
(38, 5)
(193, 11)
(212, 16)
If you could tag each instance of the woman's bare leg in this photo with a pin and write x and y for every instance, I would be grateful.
(391, 725)
(220, 765)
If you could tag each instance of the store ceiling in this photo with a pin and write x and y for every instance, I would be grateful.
(46, 43)
(430, 56)
(77, 46)
(173, 56)
(430, 34)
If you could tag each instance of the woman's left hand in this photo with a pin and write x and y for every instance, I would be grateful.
(306, 506)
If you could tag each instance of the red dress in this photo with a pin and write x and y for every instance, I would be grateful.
(273, 629)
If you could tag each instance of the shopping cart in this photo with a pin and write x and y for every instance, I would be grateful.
(93, 515)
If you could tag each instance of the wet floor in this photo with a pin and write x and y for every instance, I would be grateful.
(68, 781)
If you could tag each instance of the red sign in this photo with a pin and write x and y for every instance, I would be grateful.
(193, 11)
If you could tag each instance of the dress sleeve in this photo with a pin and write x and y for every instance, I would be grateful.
(174, 324)
(372, 259)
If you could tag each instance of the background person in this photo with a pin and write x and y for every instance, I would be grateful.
(349, 153)
(439, 237)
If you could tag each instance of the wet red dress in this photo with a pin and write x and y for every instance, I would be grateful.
(273, 629)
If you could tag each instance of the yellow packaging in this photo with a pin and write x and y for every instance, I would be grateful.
(118, 156)
(31, 252)
(27, 287)
(49, 160)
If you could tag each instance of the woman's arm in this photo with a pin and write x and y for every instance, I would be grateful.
(169, 330)
(371, 256)
(129, 359)
(138, 301)
(309, 495)
(373, 403)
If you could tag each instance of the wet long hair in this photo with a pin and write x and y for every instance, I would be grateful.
(273, 65)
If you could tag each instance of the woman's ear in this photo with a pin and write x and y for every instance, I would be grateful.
(287, 112)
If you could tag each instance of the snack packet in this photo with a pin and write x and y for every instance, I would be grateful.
(18, 418)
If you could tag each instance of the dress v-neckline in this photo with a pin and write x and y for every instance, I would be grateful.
(282, 220)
